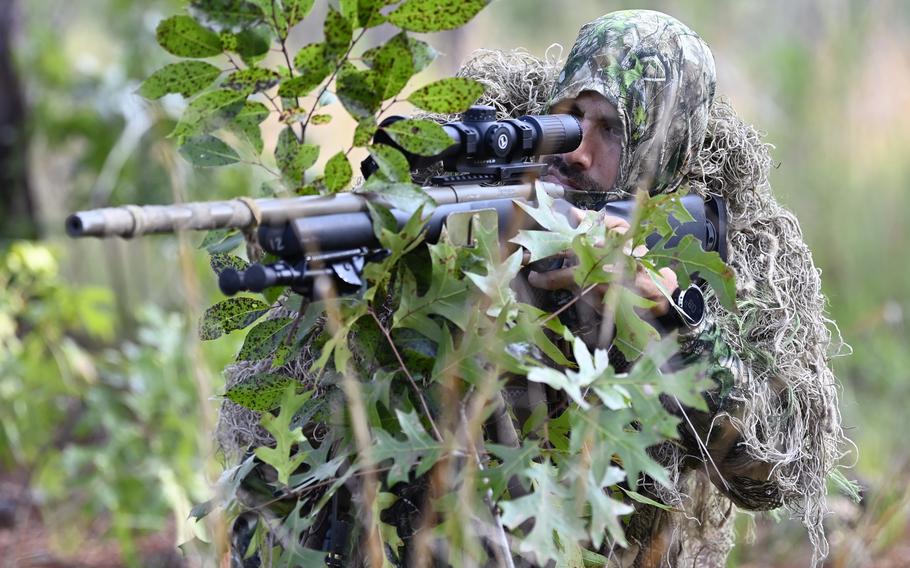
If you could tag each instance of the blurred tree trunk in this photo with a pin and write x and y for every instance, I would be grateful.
(17, 209)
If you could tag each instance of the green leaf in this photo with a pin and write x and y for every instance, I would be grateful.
(337, 172)
(279, 427)
(408, 197)
(435, 15)
(542, 244)
(252, 80)
(614, 433)
(311, 63)
(633, 333)
(311, 60)
(358, 91)
(392, 163)
(447, 96)
(393, 64)
(296, 10)
(513, 462)
(688, 258)
(420, 136)
(366, 128)
(422, 54)
(445, 297)
(274, 16)
(264, 338)
(319, 119)
(496, 284)
(184, 37)
(605, 511)
(185, 77)
(551, 505)
(368, 12)
(229, 315)
(338, 34)
(590, 368)
(251, 44)
(208, 151)
(246, 124)
(225, 14)
(419, 449)
(260, 392)
(638, 497)
(204, 107)
(222, 261)
(221, 240)
(294, 158)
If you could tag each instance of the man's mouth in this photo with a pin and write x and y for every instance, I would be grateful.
(554, 176)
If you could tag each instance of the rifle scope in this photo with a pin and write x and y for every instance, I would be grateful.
(486, 149)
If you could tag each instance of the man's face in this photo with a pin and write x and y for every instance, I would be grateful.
(594, 165)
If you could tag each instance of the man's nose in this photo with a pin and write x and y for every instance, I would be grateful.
(582, 156)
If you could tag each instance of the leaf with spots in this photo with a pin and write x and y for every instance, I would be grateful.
(358, 91)
(184, 77)
(338, 33)
(365, 130)
(420, 136)
(368, 12)
(230, 315)
(252, 80)
(435, 15)
(422, 54)
(264, 338)
(204, 107)
(225, 15)
(295, 11)
(246, 124)
(392, 63)
(208, 151)
(222, 261)
(393, 166)
(184, 37)
(337, 172)
(319, 119)
(260, 392)
(294, 157)
(447, 96)
(311, 64)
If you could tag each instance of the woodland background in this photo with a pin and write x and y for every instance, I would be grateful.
(107, 399)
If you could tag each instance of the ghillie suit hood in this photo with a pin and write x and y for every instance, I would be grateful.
(787, 392)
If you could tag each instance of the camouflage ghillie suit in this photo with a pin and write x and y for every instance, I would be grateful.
(772, 433)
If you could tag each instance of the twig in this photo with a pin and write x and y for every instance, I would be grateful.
(423, 402)
(331, 78)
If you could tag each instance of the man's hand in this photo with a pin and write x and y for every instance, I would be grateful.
(643, 285)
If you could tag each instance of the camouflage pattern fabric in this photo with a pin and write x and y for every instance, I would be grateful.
(660, 76)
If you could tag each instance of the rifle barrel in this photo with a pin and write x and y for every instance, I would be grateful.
(134, 220)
